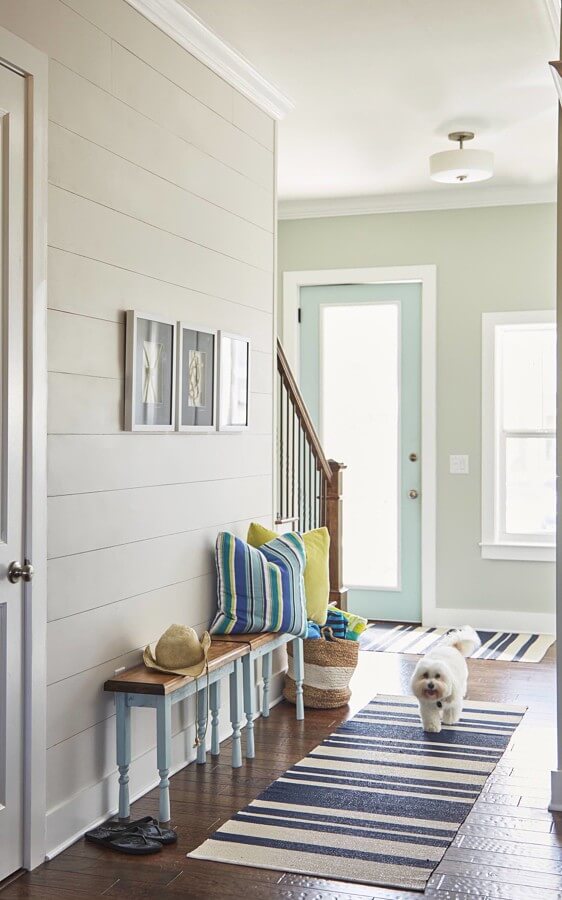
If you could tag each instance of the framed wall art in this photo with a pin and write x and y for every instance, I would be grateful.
(234, 382)
(197, 375)
(150, 372)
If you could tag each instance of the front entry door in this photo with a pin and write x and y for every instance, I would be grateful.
(12, 244)
(360, 362)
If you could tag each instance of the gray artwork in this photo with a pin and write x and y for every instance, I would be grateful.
(197, 374)
(153, 361)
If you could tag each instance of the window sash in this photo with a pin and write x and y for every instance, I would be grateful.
(503, 536)
(496, 543)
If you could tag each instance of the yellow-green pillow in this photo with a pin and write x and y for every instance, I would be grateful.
(316, 572)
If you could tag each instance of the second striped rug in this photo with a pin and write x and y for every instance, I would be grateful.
(508, 646)
(378, 802)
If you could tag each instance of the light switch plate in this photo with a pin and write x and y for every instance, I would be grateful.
(458, 464)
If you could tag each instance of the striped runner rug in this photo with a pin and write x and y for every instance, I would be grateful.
(509, 646)
(378, 802)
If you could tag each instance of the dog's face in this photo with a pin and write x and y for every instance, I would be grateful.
(431, 680)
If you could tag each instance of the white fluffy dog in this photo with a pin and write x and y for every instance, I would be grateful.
(440, 678)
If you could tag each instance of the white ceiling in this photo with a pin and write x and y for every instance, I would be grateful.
(378, 84)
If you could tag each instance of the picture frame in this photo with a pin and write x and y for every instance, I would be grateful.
(233, 401)
(197, 368)
(150, 372)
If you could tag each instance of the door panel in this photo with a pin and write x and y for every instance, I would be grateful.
(12, 223)
(360, 377)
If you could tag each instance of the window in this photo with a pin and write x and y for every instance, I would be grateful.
(519, 436)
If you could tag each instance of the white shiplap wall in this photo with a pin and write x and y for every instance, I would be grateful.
(161, 199)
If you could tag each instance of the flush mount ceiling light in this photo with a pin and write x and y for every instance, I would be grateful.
(459, 166)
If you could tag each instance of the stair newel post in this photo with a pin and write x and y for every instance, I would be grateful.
(334, 488)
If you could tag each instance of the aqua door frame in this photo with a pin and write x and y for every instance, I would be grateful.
(426, 275)
(401, 601)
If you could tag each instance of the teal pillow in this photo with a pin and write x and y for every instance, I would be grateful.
(260, 590)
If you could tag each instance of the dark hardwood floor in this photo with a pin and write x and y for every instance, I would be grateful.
(509, 848)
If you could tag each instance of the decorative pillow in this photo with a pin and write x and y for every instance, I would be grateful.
(316, 573)
(260, 590)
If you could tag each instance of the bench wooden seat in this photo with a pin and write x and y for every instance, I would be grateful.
(148, 681)
(232, 655)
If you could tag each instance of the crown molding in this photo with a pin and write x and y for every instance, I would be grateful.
(187, 30)
(423, 201)
(553, 10)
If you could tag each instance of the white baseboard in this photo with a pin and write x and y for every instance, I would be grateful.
(493, 620)
(555, 804)
(67, 823)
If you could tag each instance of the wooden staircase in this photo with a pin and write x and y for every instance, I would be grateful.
(309, 486)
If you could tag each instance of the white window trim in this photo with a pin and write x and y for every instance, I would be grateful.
(492, 546)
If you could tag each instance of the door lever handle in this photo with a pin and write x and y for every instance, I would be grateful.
(17, 571)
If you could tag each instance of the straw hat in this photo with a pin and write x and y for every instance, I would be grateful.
(179, 651)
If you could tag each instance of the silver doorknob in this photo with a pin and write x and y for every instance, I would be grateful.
(17, 571)
(413, 495)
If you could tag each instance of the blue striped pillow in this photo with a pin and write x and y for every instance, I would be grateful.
(260, 590)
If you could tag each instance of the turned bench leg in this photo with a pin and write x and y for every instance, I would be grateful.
(249, 695)
(201, 725)
(266, 676)
(214, 703)
(123, 731)
(298, 658)
(163, 753)
(235, 715)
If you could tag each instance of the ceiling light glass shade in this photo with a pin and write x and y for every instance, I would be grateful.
(460, 166)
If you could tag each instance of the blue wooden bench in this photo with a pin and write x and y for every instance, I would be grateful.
(234, 657)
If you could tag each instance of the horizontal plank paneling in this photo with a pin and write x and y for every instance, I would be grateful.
(262, 372)
(89, 229)
(85, 640)
(252, 120)
(164, 102)
(92, 288)
(84, 168)
(63, 35)
(91, 521)
(161, 199)
(130, 28)
(85, 346)
(84, 109)
(89, 580)
(78, 702)
(82, 463)
(84, 404)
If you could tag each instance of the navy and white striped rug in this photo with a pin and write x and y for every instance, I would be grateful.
(378, 802)
(509, 646)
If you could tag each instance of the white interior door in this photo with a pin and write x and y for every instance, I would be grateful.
(12, 246)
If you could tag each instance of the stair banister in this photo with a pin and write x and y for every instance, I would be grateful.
(309, 486)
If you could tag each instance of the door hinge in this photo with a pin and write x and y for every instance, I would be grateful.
(299, 315)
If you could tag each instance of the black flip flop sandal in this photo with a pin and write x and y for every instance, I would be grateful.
(133, 842)
(149, 826)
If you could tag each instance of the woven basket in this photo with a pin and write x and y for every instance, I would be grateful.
(328, 667)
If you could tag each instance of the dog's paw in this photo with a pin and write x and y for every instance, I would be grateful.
(432, 727)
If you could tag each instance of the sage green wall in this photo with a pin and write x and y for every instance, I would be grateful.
(488, 259)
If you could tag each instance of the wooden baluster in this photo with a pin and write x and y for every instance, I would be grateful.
(293, 460)
(338, 593)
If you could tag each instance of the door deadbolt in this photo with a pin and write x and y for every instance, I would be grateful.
(413, 457)
(413, 494)
(17, 571)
